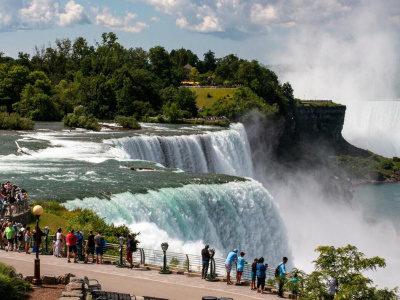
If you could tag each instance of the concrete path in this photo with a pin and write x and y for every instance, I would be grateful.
(135, 282)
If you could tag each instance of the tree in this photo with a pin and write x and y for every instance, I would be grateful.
(186, 100)
(345, 265)
(172, 112)
(210, 63)
(161, 64)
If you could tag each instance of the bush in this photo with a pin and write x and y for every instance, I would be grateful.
(127, 122)
(174, 262)
(12, 287)
(80, 119)
(14, 121)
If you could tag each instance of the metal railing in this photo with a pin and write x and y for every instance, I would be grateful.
(177, 261)
(14, 209)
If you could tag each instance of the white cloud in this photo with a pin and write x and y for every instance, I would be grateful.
(106, 19)
(40, 13)
(74, 14)
(155, 19)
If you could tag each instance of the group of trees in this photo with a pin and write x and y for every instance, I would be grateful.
(344, 268)
(108, 80)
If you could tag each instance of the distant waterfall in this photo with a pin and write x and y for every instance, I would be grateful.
(224, 151)
(374, 125)
(233, 215)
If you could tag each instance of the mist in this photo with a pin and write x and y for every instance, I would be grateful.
(352, 57)
(317, 206)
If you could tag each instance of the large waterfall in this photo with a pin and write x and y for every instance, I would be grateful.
(224, 151)
(374, 125)
(231, 215)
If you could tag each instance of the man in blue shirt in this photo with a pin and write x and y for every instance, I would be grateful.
(282, 274)
(232, 256)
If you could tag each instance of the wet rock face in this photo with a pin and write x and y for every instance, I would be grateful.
(320, 120)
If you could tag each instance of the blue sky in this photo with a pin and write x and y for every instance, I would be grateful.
(319, 39)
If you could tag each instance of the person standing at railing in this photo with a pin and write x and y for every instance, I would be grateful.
(261, 275)
(232, 256)
(10, 234)
(58, 247)
(89, 247)
(130, 248)
(99, 244)
(205, 259)
(253, 274)
(71, 240)
(240, 267)
(27, 238)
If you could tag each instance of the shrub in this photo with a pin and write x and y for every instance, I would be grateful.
(12, 287)
(174, 262)
(80, 119)
(14, 121)
(127, 122)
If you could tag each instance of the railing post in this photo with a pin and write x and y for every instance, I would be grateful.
(144, 257)
(188, 263)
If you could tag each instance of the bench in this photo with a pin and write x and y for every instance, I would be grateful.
(103, 295)
(153, 298)
(92, 287)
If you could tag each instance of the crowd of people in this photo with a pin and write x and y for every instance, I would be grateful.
(11, 196)
(258, 271)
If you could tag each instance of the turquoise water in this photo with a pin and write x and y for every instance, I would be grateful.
(381, 202)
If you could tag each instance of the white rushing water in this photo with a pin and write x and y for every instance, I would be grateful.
(374, 125)
(224, 151)
(233, 215)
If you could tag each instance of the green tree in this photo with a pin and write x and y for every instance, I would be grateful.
(186, 100)
(172, 112)
(210, 62)
(346, 266)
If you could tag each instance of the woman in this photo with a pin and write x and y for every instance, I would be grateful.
(27, 236)
(58, 248)
(261, 269)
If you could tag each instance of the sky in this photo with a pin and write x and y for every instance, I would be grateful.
(317, 39)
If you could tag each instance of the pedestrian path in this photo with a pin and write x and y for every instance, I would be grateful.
(136, 281)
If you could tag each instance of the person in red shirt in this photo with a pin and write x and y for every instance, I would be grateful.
(71, 240)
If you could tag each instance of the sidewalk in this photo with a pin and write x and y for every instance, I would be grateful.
(137, 282)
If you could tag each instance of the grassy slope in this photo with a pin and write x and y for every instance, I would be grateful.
(202, 99)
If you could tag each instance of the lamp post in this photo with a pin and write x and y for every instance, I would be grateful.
(46, 231)
(121, 241)
(165, 270)
(37, 282)
(211, 276)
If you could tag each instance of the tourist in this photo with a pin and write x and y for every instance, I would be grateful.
(58, 246)
(1, 233)
(27, 238)
(253, 274)
(261, 274)
(21, 236)
(205, 259)
(10, 234)
(240, 267)
(295, 287)
(130, 248)
(282, 275)
(232, 256)
(99, 244)
(71, 240)
(89, 247)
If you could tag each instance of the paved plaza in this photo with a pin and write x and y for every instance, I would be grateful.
(137, 282)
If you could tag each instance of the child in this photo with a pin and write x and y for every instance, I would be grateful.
(240, 266)
(294, 287)
(253, 274)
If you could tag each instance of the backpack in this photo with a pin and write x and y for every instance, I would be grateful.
(132, 246)
(277, 272)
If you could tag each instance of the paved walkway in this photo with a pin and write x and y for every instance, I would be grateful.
(135, 282)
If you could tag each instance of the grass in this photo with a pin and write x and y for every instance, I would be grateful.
(204, 101)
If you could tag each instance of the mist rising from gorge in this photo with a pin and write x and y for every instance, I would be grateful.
(352, 58)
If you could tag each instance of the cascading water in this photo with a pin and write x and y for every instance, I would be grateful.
(224, 151)
(374, 125)
(237, 214)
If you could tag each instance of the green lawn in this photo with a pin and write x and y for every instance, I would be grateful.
(203, 100)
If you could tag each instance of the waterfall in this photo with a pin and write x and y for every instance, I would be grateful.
(374, 125)
(238, 214)
(224, 151)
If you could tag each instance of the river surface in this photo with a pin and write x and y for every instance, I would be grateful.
(194, 185)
